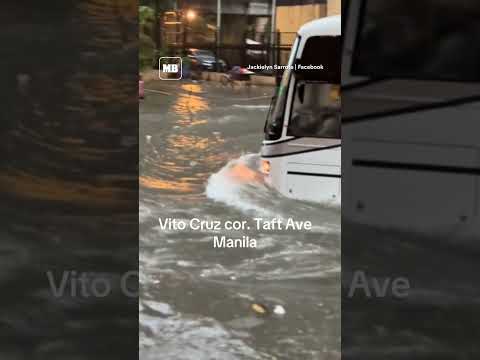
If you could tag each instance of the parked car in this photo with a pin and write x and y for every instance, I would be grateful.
(206, 60)
(252, 49)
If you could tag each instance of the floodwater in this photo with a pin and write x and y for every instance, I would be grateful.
(199, 145)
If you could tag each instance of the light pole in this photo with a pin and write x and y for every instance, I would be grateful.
(273, 20)
(273, 30)
(273, 35)
(219, 20)
(219, 33)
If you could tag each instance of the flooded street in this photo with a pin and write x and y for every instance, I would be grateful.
(199, 145)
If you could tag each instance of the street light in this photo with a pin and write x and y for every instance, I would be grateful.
(191, 15)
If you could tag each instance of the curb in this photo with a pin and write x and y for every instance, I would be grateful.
(152, 75)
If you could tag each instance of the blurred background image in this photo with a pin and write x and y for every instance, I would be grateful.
(68, 179)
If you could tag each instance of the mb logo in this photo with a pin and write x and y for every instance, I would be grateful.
(170, 68)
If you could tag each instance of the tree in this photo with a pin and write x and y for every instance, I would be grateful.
(146, 16)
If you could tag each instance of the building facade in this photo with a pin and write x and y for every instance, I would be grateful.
(292, 14)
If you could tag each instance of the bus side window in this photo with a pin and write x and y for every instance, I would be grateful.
(426, 40)
(315, 111)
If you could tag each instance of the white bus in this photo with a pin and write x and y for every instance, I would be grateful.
(410, 125)
(301, 154)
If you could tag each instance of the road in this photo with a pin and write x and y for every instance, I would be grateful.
(198, 159)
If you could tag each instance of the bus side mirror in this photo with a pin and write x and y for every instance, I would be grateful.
(301, 92)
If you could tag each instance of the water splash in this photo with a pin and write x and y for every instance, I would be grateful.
(239, 184)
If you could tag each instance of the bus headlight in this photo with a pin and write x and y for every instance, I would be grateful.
(265, 167)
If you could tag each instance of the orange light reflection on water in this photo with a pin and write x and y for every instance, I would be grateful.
(172, 171)
(194, 88)
(172, 185)
(188, 105)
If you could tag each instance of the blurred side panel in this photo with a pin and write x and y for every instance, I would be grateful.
(410, 180)
(68, 179)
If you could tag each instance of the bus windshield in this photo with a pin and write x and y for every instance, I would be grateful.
(423, 40)
(274, 123)
(315, 110)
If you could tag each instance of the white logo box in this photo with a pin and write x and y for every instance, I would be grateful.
(170, 65)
